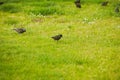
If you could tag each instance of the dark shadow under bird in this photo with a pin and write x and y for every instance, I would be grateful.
(117, 10)
(1, 3)
(20, 30)
(57, 37)
(77, 3)
(104, 3)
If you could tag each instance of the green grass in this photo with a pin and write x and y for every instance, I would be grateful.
(12, 8)
(89, 49)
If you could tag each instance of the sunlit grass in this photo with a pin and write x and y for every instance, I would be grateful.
(89, 49)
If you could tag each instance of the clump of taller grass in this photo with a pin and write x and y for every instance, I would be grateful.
(46, 8)
(9, 7)
(46, 11)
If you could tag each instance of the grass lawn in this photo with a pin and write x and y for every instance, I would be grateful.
(89, 49)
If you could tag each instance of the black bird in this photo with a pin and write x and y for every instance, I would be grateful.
(117, 10)
(57, 37)
(1, 3)
(104, 3)
(20, 30)
(77, 3)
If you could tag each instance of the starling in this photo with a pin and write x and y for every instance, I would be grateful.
(57, 37)
(1, 3)
(77, 3)
(117, 10)
(20, 30)
(104, 3)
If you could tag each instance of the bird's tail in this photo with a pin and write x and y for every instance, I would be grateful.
(14, 29)
(52, 37)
